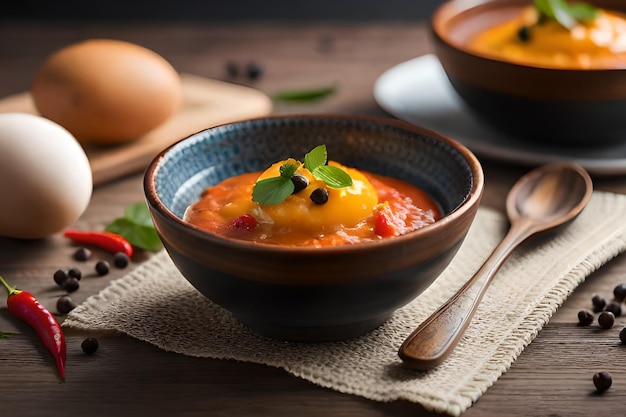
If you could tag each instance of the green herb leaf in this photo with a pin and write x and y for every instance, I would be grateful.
(306, 95)
(583, 11)
(565, 13)
(555, 9)
(273, 190)
(316, 158)
(334, 177)
(287, 170)
(141, 236)
(4, 335)
(139, 213)
(137, 227)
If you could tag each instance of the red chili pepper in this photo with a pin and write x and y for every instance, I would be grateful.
(111, 242)
(27, 308)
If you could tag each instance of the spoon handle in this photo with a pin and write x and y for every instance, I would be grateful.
(431, 343)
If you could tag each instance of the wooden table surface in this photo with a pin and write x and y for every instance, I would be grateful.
(552, 377)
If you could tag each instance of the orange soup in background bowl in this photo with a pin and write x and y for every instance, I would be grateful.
(596, 41)
(289, 264)
(558, 82)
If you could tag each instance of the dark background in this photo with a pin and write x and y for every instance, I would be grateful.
(214, 10)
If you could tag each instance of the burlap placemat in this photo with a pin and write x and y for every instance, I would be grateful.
(154, 303)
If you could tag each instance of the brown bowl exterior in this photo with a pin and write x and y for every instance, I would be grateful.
(555, 106)
(308, 294)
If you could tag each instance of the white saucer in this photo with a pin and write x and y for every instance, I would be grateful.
(419, 92)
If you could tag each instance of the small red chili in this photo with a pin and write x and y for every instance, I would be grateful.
(111, 242)
(27, 308)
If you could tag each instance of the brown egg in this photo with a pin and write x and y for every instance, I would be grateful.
(107, 91)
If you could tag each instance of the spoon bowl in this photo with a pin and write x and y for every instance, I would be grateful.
(550, 195)
(543, 199)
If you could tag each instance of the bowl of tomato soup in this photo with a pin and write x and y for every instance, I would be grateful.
(313, 227)
(538, 74)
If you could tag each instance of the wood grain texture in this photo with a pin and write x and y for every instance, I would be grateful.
(552, 377)
(206, 103)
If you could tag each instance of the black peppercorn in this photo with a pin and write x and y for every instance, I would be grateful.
(622, 335)
(89, 345)
(606, 319)
(65, 304)
(253, 70)
(523, 34)
(300, 182)
(602, 381)
(60, 276)
(319, 196)
(71, 284)
(585, 317)
(619, 292)
(614, 307)
(82, 254)
(232, 69)
(75, 273)
(598, 303)
(102, 268)
(121, 260)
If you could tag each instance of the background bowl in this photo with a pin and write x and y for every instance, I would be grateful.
(583, 108)
(313, 294)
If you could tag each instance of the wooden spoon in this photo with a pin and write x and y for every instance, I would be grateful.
(542, 199)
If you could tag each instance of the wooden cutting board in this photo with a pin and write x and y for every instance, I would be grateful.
(206, 103)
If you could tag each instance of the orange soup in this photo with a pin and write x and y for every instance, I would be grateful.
(372, 208)
(596, 44)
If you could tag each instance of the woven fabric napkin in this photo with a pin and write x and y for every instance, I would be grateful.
(154, 303)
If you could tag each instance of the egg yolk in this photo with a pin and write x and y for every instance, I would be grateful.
(346, 207)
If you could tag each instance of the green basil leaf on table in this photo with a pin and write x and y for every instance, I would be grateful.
(138, 213)
(304, 95)
(137, 227)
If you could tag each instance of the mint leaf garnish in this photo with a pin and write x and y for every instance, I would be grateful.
(333, 176)
(275, 190)
(287, 170)
(583, 11)
(316, 158)
(566, 14)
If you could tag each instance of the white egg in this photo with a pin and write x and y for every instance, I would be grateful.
(45, 177)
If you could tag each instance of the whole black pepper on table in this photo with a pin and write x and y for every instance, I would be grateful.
(124, 377)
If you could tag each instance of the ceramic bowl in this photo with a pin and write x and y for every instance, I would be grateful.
(563, 107)
(313, 294)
